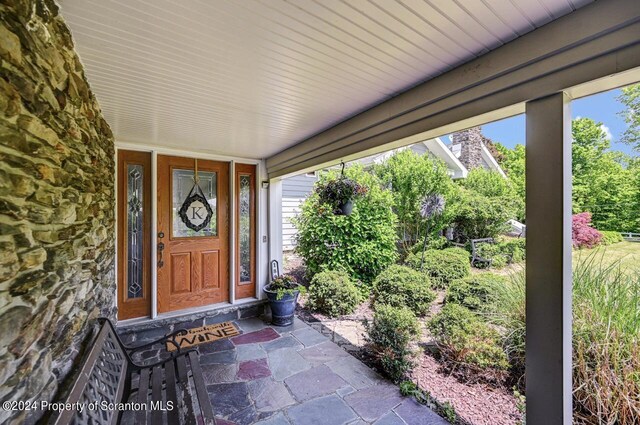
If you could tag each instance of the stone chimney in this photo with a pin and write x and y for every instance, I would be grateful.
(467, 147)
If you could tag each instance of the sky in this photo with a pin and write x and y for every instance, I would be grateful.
(602, 107)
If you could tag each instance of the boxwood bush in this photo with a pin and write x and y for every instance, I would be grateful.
(363, 243)
(389, 336)
(333, 293)
(474, 292)
(505, 251)
(401, 286)
(443, 266)
(469, 347)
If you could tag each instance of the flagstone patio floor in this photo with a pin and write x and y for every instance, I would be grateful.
(276, 376)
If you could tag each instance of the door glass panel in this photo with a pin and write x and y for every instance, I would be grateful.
(245, 228)
(134, 231)
(182, 181)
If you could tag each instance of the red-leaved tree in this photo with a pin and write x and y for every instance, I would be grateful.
(583, 235)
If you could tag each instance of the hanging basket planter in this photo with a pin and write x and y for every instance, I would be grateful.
(340, 193)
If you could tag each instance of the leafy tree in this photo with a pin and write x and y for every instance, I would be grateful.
(603, 181)
(634, 202)
(512, 162)
(630, 97)
(362, 244)
(411, 177)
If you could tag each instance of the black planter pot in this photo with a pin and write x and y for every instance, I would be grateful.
(282, 310)
(346, 208)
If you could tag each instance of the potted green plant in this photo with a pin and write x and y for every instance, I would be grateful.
(283, 292)
(340, 194)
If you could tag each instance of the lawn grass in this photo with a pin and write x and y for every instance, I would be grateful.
(628, 253)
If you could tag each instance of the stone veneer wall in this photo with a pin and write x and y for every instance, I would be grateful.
(56, 206)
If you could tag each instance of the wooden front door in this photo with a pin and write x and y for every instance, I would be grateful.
(193, 267)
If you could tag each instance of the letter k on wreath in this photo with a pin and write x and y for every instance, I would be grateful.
(195, 211)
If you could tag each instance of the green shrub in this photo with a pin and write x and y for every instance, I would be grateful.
(468, 346)
(401, 286)
(474, 292)
(516, 247)
(408, 388)
(389, 336)
(505, 251)
(609, 237)
(363, 243)
(333, 293)
(476, 216)
(443, 266)
(438, 242)
(492, 184)
(411, 177)
(493, 252)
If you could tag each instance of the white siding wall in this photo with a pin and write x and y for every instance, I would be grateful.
(294, 191)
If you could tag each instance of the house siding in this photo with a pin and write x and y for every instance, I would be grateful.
(294, 191)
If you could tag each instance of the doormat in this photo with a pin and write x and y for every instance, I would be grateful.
(205, 334)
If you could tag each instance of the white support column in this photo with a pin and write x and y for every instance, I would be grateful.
(275, 223)
(548, 271)
(154, 234)
(262, 230)
(232, 232)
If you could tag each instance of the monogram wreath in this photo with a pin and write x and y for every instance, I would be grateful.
(195, 195)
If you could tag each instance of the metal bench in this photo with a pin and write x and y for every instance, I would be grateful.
(476, 257)
(158, 393)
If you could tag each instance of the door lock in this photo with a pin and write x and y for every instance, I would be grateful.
(161, 235)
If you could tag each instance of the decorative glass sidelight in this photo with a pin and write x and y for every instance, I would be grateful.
(134, 231)
(182, 183)
(245, 228)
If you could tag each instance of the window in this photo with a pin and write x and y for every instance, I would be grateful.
(245, 210)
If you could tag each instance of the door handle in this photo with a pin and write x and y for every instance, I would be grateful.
(160, 249)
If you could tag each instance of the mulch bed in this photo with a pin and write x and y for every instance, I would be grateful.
(478, 404)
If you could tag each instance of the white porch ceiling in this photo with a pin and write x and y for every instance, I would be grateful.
(250, 78)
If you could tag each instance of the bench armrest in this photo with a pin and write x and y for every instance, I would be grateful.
(174, 355)
(168, 338)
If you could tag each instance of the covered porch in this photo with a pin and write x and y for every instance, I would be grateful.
(109, 112)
